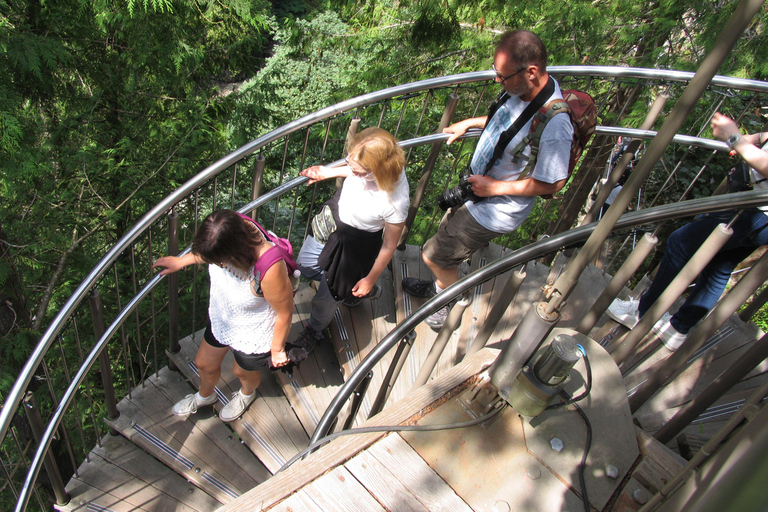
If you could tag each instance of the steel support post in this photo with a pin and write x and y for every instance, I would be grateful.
(401, 354)
(757, 302)
(173, 285)
(505, 298)
(94, 301)
(728, 38)
(357, 400)
(701, 332)
(628, 155)
(679, 284)
(258, 175)
(728, 473)
(518, 349)
(354, 127)
(429, 164)
(636, 258)
(36, 425)
(438, 346)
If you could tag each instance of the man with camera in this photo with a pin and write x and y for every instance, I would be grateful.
(495, 199)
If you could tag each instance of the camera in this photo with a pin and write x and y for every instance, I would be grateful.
(457, 195)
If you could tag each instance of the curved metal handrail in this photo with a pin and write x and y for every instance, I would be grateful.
(13, 399)
(536, 250)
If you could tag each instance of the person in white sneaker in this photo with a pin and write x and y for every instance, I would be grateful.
(749, 233)
(250, 320)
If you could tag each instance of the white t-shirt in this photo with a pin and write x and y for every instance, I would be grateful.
(364, 206)
(506, 213)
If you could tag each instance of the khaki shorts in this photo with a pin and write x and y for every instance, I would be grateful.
(458, 236)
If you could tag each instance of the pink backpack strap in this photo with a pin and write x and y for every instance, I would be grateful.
(282, 250)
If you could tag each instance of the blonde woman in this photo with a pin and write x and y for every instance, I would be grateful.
(365, 219)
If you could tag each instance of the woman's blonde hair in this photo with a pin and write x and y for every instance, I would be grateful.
(376, 150)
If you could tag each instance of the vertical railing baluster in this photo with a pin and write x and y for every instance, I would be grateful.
(173, 285)
(79, 422)
(123, 338)
(97, 315)
(36, 425)
(88, 394)
(90, 398)
(153, 337)
(258, 177)
(137, 316)
(23, 458)
(280, 182)
(429, 164)
(234, 187)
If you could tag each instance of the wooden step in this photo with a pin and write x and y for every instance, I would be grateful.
(200, 447)
(269, 427)
(312, 386)
(119, 476)
(357, 330)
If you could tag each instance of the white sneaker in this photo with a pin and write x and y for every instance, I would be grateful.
(669, 336)
(438, 318)
(190, 403)
(236, 407)
(625, 312)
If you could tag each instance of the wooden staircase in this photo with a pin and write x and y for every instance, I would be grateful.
(164, 462)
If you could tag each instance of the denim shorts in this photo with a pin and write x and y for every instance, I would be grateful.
(458, 236)
(249, 362)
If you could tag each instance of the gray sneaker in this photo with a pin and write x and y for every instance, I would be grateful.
(236, 407)
(438, 318)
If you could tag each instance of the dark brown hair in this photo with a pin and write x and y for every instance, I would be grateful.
(524, 48)
(225, 237)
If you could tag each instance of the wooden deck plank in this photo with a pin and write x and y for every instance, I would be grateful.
(340, 450)
(184, 444)
(339, 491)
(721, 349)
(529, 292)
(299, 501)
(415, 475)
(382, 483)
(110, 480)
(269, 427)
(312, 386)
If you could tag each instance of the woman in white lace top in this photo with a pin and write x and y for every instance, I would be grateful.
(253, 325)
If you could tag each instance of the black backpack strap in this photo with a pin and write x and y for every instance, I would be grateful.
(538, 102)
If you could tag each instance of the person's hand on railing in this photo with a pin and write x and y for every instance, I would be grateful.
(458, 129)
(320, 172)
(175, 263)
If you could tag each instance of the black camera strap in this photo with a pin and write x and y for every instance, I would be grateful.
(506, 137)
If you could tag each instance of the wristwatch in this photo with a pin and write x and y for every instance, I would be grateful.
(733, 140)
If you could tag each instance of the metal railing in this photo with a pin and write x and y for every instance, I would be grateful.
(225, 182)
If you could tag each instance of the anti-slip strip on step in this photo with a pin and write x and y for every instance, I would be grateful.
(219, 393)
(220, 485)
(263, 443)
(95, 507)
(711, 342)
(164, 447)
(341, 326)
(406, 297)
(305, 402)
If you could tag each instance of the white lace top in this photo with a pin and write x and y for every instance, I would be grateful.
(238, 318)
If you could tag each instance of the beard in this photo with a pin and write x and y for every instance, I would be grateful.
(521, 89)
